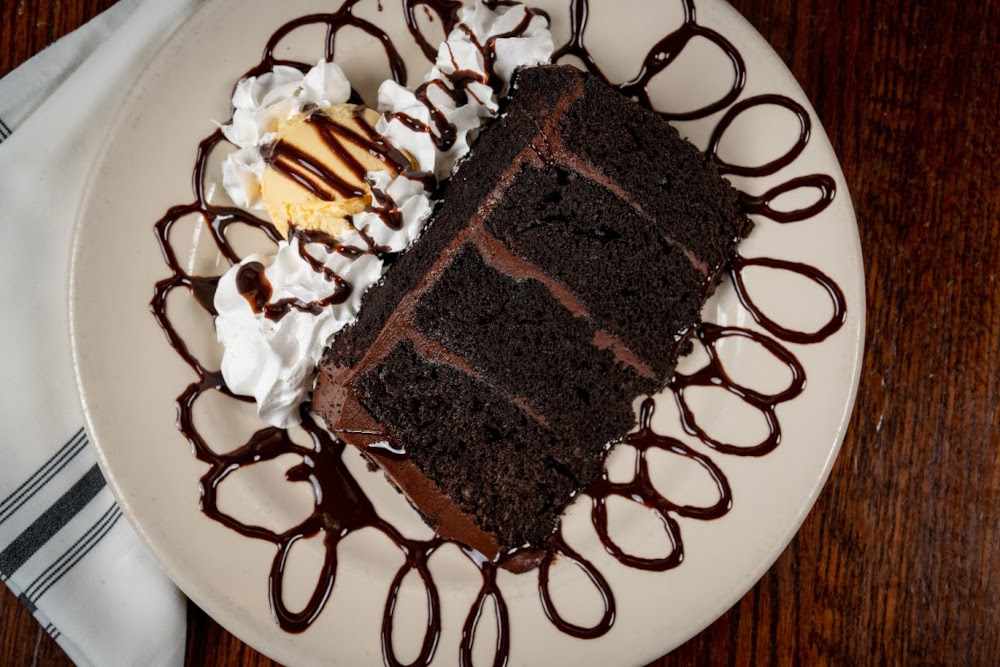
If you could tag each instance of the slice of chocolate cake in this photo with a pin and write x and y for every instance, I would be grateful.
(500, 358)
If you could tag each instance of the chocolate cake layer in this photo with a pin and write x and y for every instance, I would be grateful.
(617, 261)
(511, 332)
(468, 436)
(661, 173)
(502, 354)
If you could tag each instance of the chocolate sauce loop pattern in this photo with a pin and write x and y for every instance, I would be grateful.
(341, 506)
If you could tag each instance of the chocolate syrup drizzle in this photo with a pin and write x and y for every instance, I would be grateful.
(444, 133)
(341, 506)
(661, 56)
(322, 181)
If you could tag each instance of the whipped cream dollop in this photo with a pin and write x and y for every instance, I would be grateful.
(272, 357)
(518, 37)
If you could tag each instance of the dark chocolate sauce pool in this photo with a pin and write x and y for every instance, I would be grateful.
(341, 506)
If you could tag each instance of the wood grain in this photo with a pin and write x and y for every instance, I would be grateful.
(899, 560)
(28, 26)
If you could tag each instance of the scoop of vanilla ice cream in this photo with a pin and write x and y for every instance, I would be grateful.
(261, 104)
(289, 202)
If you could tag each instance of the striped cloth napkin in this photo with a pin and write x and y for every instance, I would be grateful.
(64, 548)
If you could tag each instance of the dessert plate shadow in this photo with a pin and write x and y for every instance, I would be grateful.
(781, 357)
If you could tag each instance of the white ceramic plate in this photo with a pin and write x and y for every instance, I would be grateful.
(129, 377)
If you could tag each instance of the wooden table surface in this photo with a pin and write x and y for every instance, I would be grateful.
(900, 559)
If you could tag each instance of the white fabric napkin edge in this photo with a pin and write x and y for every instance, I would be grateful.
(34, 81)
(111, 605)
